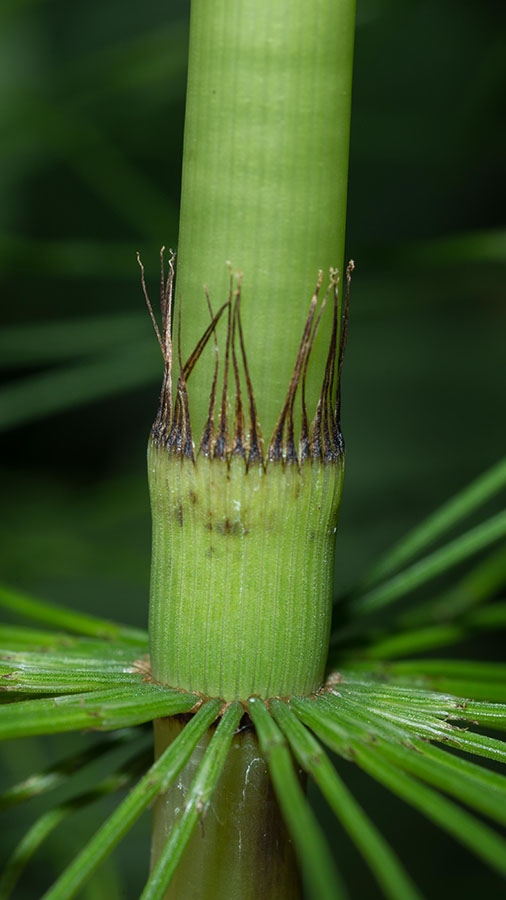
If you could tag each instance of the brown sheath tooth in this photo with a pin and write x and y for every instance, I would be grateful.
(221, 444)
(256, 450)
(166, 295)
(329, 451)
(167, 359)
(172, 426)
(189, 366)
(239, 446)
(342, 347)
(305, 437)
(208, 433)
(276, 449)
(184, 440)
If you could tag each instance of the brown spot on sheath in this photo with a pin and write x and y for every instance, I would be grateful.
(227, 527)
(193, 497)
(179, 514)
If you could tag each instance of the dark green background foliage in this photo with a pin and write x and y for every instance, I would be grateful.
(92, 99)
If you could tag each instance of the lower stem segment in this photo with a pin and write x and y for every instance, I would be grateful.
(241, 848)
(242, 574)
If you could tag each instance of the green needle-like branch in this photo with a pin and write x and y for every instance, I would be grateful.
(67, 619)
(56, 774)
(78, 664)
(323, 879)
(417, 640)
(463, 826)
(34, 837)
(480, 583)
(356, 737)
(460, 678)
(48, 821)
(157, 778)
(463, 779)
(196, 803)
(388, 870)
(460, 506)
(97, 710)
(431, 566)
(38, 674)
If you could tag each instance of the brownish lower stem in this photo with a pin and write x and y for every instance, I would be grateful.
(241, 848)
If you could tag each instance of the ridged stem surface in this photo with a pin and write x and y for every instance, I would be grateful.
(242, 574)
(243, 556)
(264, 178)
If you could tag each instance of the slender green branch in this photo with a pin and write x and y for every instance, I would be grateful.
(451, 513)
(34, 837)
(477, 585)
(484, 791)
(463, 779)
(157, 778)
(349, 719)
(84, 664)
(463, 826)
(67, 619)
(431, 566)
(196, 804)
(351, 744)
(402, 723)
(388, 870)
(48, 821)
(51, 342)
(20, 638)
(429, 699)
(323, 879)
(72, 680)
(451, 668)
(98, 710)
(460, 678)
(418, 640)
(59, 773)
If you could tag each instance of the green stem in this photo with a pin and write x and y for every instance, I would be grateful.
(264, 176)
(243, 525)
(244, 513)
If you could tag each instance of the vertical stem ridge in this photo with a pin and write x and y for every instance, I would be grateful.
(242, 574)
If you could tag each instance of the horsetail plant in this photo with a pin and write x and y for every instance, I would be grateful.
(246, 464)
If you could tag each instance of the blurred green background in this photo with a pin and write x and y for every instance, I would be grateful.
(92, 109)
